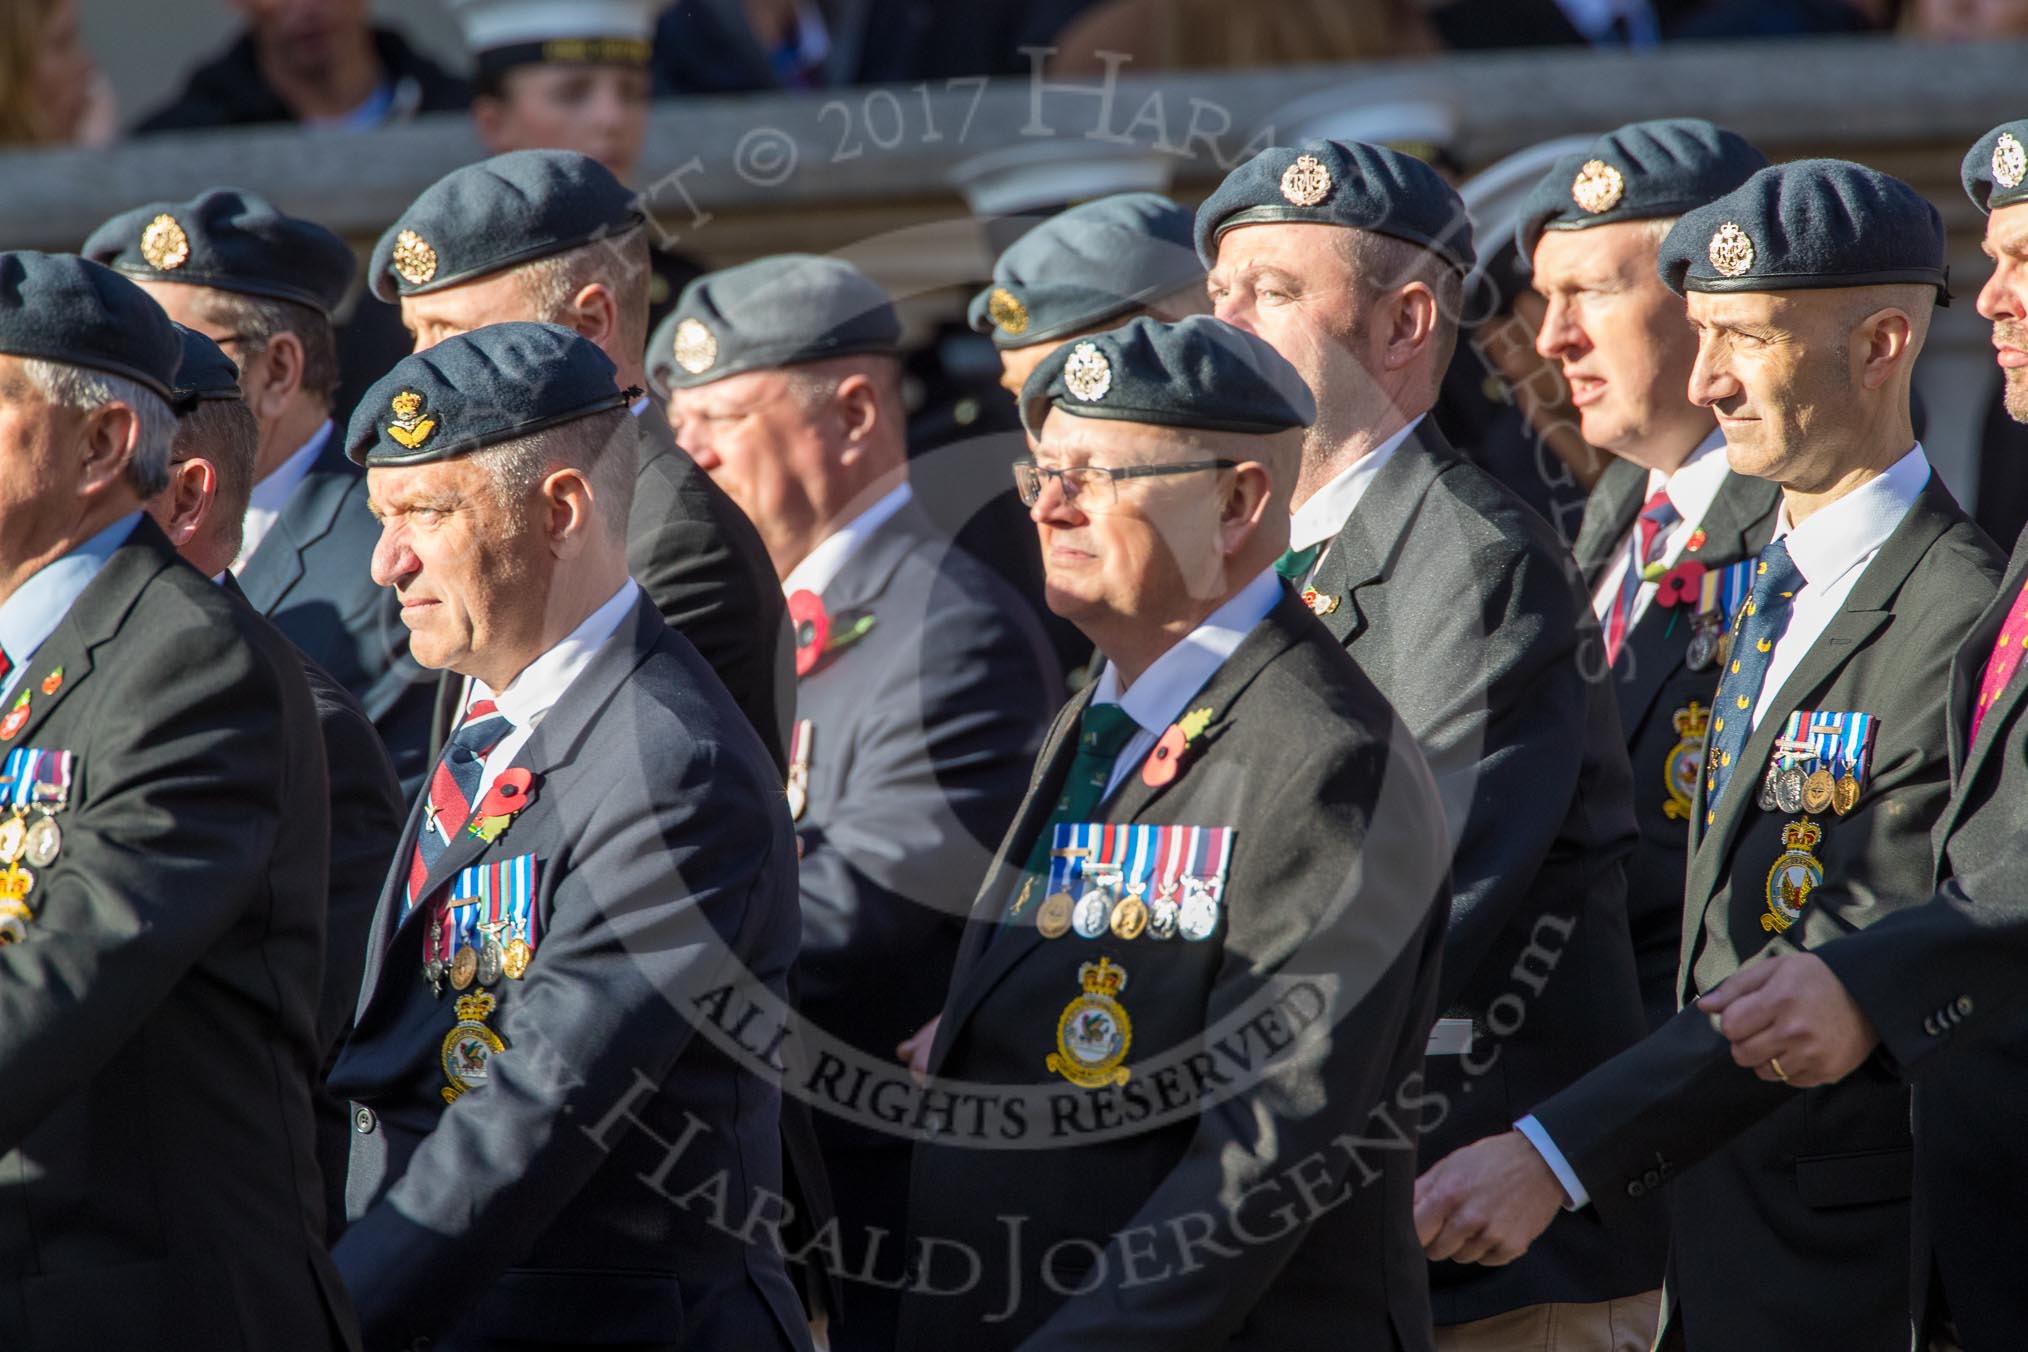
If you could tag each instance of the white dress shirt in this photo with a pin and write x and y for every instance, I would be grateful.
(1172, 680)
(1330, 507)
(264, 505)
(821, 566)
(532, 694)
(1831, 550)
(1692, 489)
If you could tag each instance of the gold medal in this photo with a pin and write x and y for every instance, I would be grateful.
(45, 841)
(514, 960)
(1819, 791)
(464, 968)
(1845, 796)
(1053, 920)
(14, 837)
(799, 800)
(1130, 917)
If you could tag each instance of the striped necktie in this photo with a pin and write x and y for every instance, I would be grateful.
(454, 785)
(1644, 549)
(1762, 621)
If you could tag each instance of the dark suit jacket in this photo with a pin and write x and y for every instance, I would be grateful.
(312, 576)
(157, 1026)
(366, 822)
(703, 565)
(1464, 608)
(666, 869)
(1792, 1231)
(1943, 985)
(1337, 879)
(231, 91)
(1653, 683)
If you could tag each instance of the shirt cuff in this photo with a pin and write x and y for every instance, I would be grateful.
(1574, 1193)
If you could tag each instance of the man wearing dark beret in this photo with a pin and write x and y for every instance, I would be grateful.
(538, 1069)
(1463, 606)
(550, 236)
(1810, 289)
(264, 284)
(201, 510)
(1669, 531)
(1231, 843)
(1937, 989)
(925, 684)
(162, 864)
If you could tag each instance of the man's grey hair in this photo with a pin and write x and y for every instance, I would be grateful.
(255, 321)
(84, 390)
(621, 263)
(604, 447)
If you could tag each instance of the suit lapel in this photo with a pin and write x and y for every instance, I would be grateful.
(1866, 609)
(307, 517)
(866, 572)
(1370, 540)
(1608, 515)
(1968, 669)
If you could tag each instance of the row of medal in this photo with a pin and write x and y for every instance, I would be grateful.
(485, 929)
(34, 787)
(1723, 592)
(1819, 763)
(1101, 874)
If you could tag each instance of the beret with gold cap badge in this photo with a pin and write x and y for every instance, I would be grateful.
(1198, 373)
(1643, 171)
(1097, 261)
(783, 310)
(229, 240)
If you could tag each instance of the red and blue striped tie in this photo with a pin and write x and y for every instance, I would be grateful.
(453, 787)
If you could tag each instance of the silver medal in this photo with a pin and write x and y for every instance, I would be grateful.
(491, 961)
(1789, 789)
(1199, 915)
(1703, 649)
(45, 841)
(1094, 913)
(1767, 790)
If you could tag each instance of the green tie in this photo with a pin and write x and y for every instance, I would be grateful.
(1102, 732)
(1295, 564)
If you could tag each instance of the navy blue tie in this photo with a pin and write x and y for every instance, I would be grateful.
(1762, 621)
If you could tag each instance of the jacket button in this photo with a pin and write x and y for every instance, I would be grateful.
(1964, 1005)
(1929, 1026)
(1652, 1179)
(1634, 1189)
(363, 1121)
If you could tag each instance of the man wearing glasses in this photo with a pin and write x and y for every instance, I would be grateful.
(263, 286)
(924, 683)
(1464, 607)
(1204, 963)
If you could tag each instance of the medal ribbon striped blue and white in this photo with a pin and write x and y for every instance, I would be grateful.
(490, 894)
(35, 777)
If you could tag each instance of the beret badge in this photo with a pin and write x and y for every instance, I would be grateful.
(2010, 161)
(1087, 374)
(696, 349)
(1598, 187)
(410, 428)
(1306, 182)
(1004, 308)
(164, 244)
(1731, 251)
(414, 259)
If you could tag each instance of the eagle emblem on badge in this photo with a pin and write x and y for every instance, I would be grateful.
(164, 243)
(414, 259)
(696, 349)
(1004, 308)
(1093, 1034)
(1088, 374)
(1794, 876)
(1731, 251)
(1306, 182)
(410, 427)
(1598, 187)
(2010, 161)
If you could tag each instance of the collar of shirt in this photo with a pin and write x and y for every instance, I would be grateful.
(38, 605)
(1330, 507)
(820, 568)
(1171, 680)
(264, 505)
(639, 406)
(1692, 489)
(1831, 551)
(532, 694)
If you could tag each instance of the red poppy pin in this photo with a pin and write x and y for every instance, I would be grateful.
(1694, 543)
(1165, 762)
(513, 791)
(53, 682)
(816, 636)
(16, 717)
(1682, 585)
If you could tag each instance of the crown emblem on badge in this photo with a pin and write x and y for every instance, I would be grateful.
(1102, 978)
(1692, 721)
(1306, 182)
(2010, 161)
(1088, 374)
(1731, 251)
(164, 243)
(410, 427)
(696, 348)
(1598, 187)
(414, 259)
(1802, 835)
(475, 1007)
(1005, 309)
